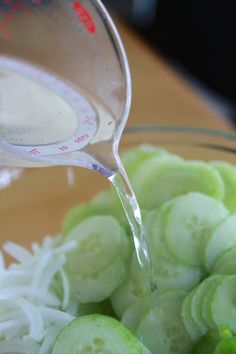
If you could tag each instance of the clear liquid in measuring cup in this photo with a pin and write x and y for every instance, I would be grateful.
(45, 122)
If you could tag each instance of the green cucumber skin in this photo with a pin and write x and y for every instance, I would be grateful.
(227, 172)
(97, 332)
(158, 180)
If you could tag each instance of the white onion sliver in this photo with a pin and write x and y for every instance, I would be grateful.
(13, 277)
(35, 247)
(55, 316)
(10, 315)
(17, 332)
(17, 322)
(65, 248)
(34, 317)
(46, 346)
(40, 268)
(53, 268)
(66, 289)
(26, 291)
(21, 346)
(18, 252)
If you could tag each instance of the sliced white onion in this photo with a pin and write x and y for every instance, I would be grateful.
(40, 268)
(18, 252)
(55, 316)
(13, 277)
(10, 324)
(35, 321)
(19, 346)
(45, 297)
(53, 268)
(65, 289)
(47, 344)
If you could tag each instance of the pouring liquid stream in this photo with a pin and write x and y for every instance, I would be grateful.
(53, 135)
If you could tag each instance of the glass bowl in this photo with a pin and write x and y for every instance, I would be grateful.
(34, 201)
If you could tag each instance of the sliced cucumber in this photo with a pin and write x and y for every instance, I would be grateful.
(172, 295)
(155, 223)
(206, 303)
(190, 221)
(99, 286)
(229, 268)
(76, 215)
(159, 180)
(174, 275)
(228, 174)
(198, 296)
(107, 202)
(135, 313)
(99, 240)
(162, 330)
(228, 256)
(97, 334)
(124, 296)
(223, 305)
(186, 314)
(223, 238)
(134, 158)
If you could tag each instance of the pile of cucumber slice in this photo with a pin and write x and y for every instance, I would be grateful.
(189, 210)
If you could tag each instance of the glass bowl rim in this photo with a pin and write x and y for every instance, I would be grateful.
(156, 128)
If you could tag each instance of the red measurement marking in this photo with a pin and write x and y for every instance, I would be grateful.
(81, 138)
(9, 15)
(63, 148)
(88, 121)
(35, 151)
(84, 17)
(83, 109)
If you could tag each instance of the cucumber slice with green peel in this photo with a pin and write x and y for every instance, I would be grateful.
(172, 295)
(174, 275)
(99, 240)
(135, 313)
(198, 296)
(186, 314)
(163, 331)
(169, 276)
(226, 346)
(154, 223)
(133, 158)
(207, 344)
(107, 202)
(229, 268)
(223, 305)
(228, 174)
(227, 256)
(124, 296)
(221, 239)
(190, 221)
(97, 334)
(206, 303)
(75, 215)
(159, 180)
(98, 286)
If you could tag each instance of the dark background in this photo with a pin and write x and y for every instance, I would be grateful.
(198, 37)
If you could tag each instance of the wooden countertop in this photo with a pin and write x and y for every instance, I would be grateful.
(160, 95)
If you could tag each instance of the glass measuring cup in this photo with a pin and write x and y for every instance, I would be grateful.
(64, 83)
(65, 93)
